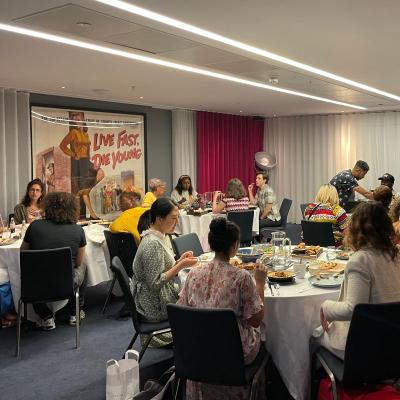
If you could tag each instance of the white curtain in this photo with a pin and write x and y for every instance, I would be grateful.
(15, 148)
(310, 150)
(183, 145)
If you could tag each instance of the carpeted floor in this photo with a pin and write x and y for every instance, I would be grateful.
(51, 368)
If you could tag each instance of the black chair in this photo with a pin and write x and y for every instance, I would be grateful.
(46, 276)
(187, 242)
(208, 348)
(149, 328)
(317, 233)
(123, 245)
(244, 219)
(372, 352)
(284, 212)
(303, 207)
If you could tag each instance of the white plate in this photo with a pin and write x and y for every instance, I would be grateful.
(328, 282)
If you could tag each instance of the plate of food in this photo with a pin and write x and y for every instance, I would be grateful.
(280, 276)
(6, 242)
(304, 251)
(342, 255)
(325, 266)
(250, 266)
(249, 254)
(326, 281)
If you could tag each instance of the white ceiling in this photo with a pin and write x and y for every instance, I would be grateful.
(353, 39)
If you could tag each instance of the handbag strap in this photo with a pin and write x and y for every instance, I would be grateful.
(313, 211)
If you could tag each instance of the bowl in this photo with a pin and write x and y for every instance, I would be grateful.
(249, 255)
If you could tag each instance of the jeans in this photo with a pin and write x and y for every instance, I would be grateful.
(80, 281)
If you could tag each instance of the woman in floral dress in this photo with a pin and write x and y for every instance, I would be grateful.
(221, 285)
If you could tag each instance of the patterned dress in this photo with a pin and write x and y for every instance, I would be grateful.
(232, 204)
(220, 285)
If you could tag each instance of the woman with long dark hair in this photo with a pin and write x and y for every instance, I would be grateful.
(29, 208)
(371, 276)
(184, 193)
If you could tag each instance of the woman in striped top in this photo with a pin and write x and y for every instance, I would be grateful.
(326, 208)
(234, 199)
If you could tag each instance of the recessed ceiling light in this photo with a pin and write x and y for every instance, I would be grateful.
(240, 111)
(165, 63)
(141, 97)
(83, 24)
(122, 5)
(62, 87)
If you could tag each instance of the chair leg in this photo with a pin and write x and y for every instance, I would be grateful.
(331, 376)
(19, 327)
(78, 320)
(145, 345)
(177, 389)
(109, 294)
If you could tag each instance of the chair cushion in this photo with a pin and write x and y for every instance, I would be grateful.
(335, 364)
(148, 327)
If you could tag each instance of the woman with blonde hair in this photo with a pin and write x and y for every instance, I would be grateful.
(234, 199)
(326, 208)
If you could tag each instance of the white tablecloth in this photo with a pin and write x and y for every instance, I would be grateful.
(96, 259)
(201, 225)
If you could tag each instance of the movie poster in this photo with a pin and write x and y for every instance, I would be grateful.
(95, 155)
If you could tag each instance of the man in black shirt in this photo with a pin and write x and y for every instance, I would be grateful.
(346, 183)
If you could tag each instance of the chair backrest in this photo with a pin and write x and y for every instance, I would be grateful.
(303, 207)
(317, 233)
(118, 269)
(46, 275)
(187, 242)
(123, 245)
(372, 351)
(244, 219)
(284, 211)
(207, 345)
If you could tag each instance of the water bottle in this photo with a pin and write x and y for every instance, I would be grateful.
(12, 226)
(23, 229)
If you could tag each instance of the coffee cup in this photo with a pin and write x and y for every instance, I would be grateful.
(299, 270)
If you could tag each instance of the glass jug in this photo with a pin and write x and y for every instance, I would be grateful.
(282, 247)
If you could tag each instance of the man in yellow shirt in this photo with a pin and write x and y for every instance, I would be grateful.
(157, 189)
(129, 218)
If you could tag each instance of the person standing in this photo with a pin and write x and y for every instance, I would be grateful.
(346, 183)
(265, 200)
(388, 180)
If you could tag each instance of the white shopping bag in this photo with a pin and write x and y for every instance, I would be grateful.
(123, 377)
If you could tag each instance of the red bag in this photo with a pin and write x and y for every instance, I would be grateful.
(370, 392)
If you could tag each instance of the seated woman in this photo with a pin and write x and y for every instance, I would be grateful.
(326, 208)
(394, 215)
(155, 269)
(184, 193)
(29, 208)
(371, 276)
(131, 213)
(221, 285)
(59, 229)
(384, 195)
(234, 198)
(157, 189)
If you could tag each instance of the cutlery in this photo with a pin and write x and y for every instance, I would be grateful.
(276, 286)
(270, 287)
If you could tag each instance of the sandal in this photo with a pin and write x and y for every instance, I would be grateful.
(6, 323)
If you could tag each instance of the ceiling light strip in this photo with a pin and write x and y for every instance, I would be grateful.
(164, 63)
(122, 5)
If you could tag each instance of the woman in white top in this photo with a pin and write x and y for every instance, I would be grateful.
(184, 193)
(371, 276)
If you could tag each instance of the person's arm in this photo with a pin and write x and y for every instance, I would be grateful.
(358, 289)
(253, 298)
(267, 210)
(79, 256)
(20, 214)
(217, 208)
(68, 139)
(364, 192)
(251, 195)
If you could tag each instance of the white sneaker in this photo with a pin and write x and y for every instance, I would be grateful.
(72, 318)
(46, 324)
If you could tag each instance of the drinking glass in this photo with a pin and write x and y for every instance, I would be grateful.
(331, 253)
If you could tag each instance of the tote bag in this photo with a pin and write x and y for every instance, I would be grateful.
(123, 377)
